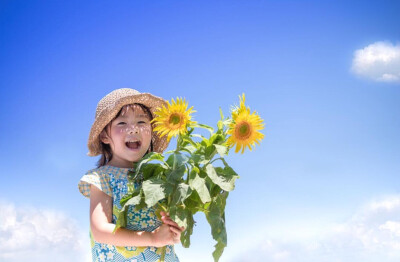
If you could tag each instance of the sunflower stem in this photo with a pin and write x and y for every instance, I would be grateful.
(176, 152)
(163, 251)
(162, 207)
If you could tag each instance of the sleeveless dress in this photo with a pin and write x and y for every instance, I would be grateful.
(113, 181)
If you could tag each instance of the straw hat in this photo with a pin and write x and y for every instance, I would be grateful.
(111, 104)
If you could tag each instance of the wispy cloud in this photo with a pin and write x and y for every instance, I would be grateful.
(372, 234)
(379, 61)
(30, 234)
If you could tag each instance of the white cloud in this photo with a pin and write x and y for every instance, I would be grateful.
(29, 234)
(372, 234)
(379, 61)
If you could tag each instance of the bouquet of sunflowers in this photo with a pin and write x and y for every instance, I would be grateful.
(186, 180)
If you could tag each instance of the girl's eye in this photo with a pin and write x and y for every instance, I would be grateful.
(121, 123)
(142, 122)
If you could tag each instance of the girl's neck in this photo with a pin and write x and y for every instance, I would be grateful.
(120, 164)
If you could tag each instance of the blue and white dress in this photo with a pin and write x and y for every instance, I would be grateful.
(113, 181)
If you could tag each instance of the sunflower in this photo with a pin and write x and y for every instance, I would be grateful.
(244, 128)
(173, 119)
(236, 110)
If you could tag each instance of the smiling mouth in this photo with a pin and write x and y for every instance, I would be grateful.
(133, 145)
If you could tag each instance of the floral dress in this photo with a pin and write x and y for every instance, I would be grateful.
(113, 181)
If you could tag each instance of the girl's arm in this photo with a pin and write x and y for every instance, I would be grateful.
(102, 228)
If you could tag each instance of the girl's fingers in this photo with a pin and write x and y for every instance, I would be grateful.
(167, 220)
(170, 222)
(176, 231)
(175, 225)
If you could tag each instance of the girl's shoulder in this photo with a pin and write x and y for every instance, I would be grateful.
(103, 177)
(99, 177)
(108, 171)
(96, 171)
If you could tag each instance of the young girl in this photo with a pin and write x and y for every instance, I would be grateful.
(122, 135)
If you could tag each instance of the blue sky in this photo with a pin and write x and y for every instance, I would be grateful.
(325, 76)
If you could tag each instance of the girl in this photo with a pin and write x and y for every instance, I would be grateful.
(122, 134)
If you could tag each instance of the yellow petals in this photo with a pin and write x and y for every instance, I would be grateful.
(245, 127)
(173, 119)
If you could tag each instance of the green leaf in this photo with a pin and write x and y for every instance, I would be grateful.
(181, 193)
(193, 203)
(209, 152)
(199, 159)
(189, 131)
(150, 157)
(153, 190)
(169, 152)
(150, 170)
(199, 184)
(170, 159)
(221, 113)
(216, 219)
(121, 218)
(133, 201)
(142, 203)
(175, 175)
(127, 197)
(199, 136)
(221, 200)
(188, 140)
(216, 139)
(127, 200)
(190, 148)
(180, 159)
(169, 188)
(179, 215)
(185, 236)
(220, 125)
(219, 249)
(224, 180)
(209, 128)
(221, 150)
(228, 171)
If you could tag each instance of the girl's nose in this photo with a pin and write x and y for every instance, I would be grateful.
(133, 129)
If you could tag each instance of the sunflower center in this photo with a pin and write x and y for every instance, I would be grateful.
(243, 130)
(175, 119)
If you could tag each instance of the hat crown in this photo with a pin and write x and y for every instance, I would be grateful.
(110, 100)
(109, 106)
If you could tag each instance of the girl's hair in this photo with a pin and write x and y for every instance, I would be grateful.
(106, 152)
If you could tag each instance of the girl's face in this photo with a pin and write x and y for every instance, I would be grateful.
(129, 137)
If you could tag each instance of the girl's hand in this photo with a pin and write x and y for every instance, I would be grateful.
(163, 236)
(174, 227)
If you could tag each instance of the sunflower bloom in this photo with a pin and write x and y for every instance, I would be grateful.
(239, 109)
(173, 119)
(245, 127)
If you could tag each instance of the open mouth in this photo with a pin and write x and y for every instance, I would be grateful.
(133, 144)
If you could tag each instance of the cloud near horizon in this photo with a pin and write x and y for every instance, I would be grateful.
(31, 234)
(372, 234)
(379, 61)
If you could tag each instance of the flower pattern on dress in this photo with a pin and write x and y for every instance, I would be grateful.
(113, 181)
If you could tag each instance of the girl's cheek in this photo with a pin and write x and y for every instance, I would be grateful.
(146, 130)
(120, 130)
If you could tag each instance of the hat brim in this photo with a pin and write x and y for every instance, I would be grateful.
(106, 116)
